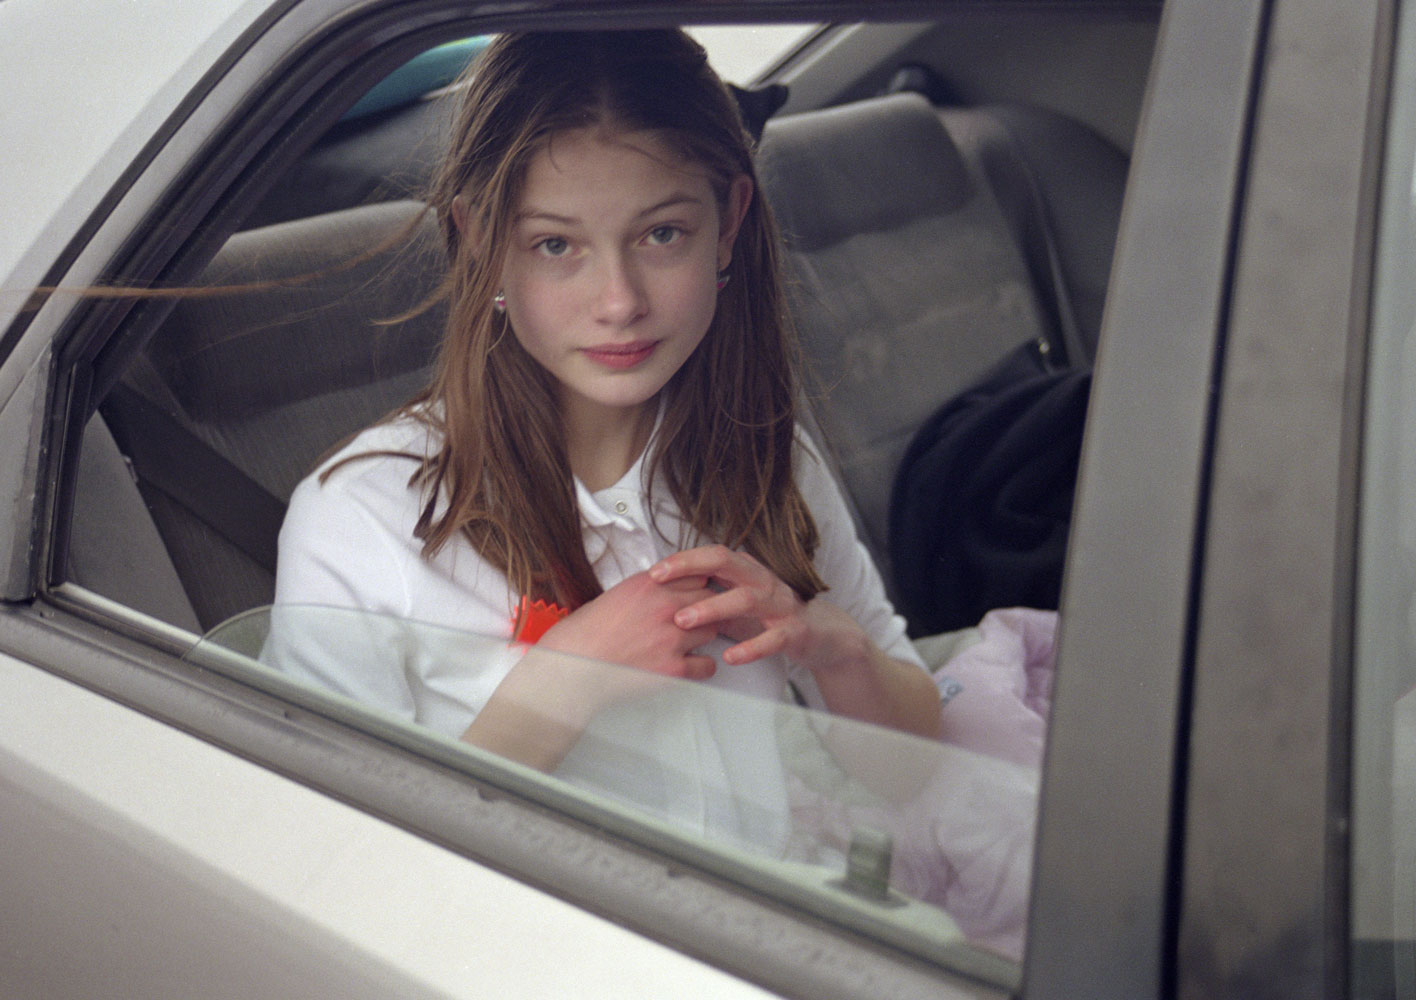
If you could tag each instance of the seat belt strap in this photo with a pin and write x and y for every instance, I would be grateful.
(1016, 187)
(169, 458)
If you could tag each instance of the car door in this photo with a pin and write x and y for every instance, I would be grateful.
(225, 742)
(1207, 628)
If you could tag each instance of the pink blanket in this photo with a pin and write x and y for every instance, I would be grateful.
(997, 685)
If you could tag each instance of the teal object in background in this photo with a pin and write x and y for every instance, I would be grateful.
(423, 73)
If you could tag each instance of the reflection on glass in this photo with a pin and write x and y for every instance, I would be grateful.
(819, 801)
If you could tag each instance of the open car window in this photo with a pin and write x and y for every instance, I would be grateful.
(309, 327)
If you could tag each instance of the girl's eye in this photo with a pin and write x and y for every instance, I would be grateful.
(553, 246)
(661, 236)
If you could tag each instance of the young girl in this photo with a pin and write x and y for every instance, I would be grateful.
(607, 464)
(610, 432)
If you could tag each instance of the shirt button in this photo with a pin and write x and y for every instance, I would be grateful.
(621, 506)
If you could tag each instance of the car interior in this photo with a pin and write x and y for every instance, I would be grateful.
(949, 195)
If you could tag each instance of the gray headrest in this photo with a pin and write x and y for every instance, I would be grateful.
(857, 168)
(233, 355)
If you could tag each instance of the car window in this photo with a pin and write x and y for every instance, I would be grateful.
(743, 53)
(739, 53)
(315, 323)
(927, 843)
(1384, 760)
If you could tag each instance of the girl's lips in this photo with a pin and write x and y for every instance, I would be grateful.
(621, 356)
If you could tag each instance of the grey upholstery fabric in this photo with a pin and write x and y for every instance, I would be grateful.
(382, 157)
(906, 285)
(273, 377)
(131, 564)
(1082, 178)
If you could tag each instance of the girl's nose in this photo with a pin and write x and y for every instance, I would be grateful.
(620, 297)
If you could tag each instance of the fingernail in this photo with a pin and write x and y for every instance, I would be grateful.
(685, 619)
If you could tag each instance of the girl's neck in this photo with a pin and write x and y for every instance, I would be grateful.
(603, 445)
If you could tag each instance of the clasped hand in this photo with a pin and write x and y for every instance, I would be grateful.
(656, 619)
(749, 603)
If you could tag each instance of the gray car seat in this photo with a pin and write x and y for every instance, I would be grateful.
(238, 395)
(1060, 185)
(907, 283)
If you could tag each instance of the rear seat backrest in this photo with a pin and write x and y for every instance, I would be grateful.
(906, 284)
(271, 379)
(1080, 179)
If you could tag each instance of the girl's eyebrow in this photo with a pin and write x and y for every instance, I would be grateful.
(672, 201)
(551, 217)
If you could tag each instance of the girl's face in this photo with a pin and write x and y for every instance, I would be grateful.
(611, 274)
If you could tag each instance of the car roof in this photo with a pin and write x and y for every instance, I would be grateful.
(120, 71)
(88, 83)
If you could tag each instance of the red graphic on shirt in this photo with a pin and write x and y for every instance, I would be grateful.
(532, 620)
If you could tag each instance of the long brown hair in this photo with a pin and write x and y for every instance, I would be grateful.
(726, 442)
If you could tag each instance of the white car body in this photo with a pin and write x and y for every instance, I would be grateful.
(1227, 780)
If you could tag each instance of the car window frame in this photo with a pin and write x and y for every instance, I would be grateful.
(1107, 844)
(1074, 830)
(98, 643)
(1382, 948)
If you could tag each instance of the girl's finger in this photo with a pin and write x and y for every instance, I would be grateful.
(738, 602)
(707, 560)
(768, 643)
(698, 582)
(699, 668)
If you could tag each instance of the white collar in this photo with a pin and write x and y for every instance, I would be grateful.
(599, 510)
(614, 503)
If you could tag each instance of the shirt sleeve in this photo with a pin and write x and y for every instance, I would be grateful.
(335, 550)
(340, 597)
(360, 611)
(844, 563)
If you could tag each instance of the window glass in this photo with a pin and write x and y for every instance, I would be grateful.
(926, 842)
(742, 53)
(1384, 775)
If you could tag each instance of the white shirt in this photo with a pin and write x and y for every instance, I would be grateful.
(701, 759)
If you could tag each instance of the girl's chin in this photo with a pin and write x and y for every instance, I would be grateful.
(615, 405)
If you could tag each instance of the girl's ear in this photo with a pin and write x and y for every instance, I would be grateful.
(469, 229)
(459, 214)
(740, 194)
